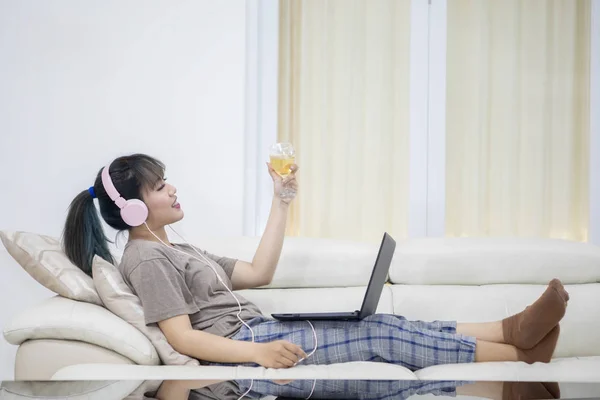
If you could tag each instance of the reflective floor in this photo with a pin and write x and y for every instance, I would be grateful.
(300, 389)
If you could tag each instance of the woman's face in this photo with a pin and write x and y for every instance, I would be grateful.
(163, 208)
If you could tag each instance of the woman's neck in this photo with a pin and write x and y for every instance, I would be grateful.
(142, 233)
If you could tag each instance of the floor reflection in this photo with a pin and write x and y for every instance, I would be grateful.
(300, 389)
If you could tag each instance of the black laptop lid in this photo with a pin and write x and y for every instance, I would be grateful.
(378, 276)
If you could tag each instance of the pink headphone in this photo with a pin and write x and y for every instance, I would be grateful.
(134, 212)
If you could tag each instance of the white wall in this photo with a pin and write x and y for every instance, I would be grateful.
(82, 82)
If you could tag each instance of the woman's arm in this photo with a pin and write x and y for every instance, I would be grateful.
(202, 345)
(260, 272)
(208, 347)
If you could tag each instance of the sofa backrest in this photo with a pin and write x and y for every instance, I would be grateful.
(321, 262)
(305, 262)
(483, 261)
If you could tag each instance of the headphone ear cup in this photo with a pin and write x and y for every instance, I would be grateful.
(134, 213)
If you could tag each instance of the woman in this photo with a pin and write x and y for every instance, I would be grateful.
(194, 307)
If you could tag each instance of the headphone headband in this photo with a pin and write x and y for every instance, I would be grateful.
(110, 189)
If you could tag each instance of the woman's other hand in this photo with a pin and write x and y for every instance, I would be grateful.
(278, 354)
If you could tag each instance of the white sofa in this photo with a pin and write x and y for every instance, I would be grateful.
(469, 280)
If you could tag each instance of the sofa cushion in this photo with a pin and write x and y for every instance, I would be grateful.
(479, 261)
(43, 258)
(119, 299)
(78, 390)
(62, 318)
(304, 262)
(579, 327)
(315, 299)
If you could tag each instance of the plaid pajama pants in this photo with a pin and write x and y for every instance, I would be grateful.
(379, 337)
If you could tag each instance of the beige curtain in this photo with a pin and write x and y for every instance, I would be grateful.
(517, 118)
(344, 104)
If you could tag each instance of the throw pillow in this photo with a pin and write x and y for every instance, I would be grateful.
(42, 257)
(119, 299)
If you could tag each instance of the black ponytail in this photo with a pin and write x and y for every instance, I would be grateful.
(83, 236)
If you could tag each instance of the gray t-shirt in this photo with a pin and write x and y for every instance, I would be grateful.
(169, 283)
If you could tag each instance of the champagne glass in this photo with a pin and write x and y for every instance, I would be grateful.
(282, 156)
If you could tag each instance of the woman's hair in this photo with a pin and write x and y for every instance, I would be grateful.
(83, 236)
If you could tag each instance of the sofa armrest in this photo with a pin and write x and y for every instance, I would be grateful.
(40, 359)
(62, 318)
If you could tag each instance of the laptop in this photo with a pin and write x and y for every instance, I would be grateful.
(372, 295)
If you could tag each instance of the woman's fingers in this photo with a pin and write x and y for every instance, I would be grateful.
(292, 175)
(290, 355)
(272, 171)
(286, 362)
(297, 350)
(289, 182)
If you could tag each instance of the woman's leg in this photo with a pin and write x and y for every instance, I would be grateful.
(489, 351)
(387, 338)
(438, 326)
(487, 331)
(379, 337)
